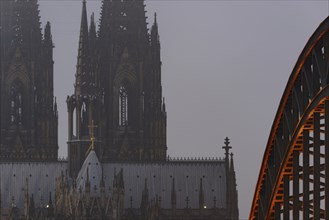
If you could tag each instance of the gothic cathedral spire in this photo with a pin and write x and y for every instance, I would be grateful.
(82, 79)
(85, 104)
(127, 102)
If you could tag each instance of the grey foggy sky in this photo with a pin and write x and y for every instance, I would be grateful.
(225, 66)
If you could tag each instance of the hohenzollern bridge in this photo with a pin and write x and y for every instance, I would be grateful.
(293, 181)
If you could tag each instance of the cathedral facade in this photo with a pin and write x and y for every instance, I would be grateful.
(117, 165)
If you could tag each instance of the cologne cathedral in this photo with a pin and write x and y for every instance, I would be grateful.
(117, 166)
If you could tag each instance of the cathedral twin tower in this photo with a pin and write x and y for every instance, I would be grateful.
(117, 85)
(28, 117)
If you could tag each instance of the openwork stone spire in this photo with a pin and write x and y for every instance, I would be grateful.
(82, 80)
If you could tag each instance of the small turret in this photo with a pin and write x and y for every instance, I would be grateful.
(145, 200)
(102, 183)
(26, 198)
(118, 196)
(121, 181)
(155, 43)
(173, 196)
(154, 32)
(227, 148)
(48, 45)
(145, 196)
(201, 195)
(50, 207)
(48, 37)
(87, 186)
(31, 212)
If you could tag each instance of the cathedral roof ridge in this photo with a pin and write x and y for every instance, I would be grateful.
(196, 159)
(172, 161)
(60, 161)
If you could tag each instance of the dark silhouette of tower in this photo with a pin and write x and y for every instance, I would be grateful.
(118, 85)
(28, 110)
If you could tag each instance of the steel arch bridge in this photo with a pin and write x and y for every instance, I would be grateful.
(293, 182)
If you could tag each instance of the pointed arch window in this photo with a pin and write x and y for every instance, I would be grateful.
(16, 103)
(123, 105)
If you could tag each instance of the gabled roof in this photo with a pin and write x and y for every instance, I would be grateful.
(90, 173)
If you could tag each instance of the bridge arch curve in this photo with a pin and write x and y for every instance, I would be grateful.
(293, 181)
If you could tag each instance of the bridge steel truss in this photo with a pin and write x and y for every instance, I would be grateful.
(293, 182)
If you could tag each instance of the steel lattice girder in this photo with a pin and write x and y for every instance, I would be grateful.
(300, 121)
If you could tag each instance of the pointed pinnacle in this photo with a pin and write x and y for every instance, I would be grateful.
(227, 142)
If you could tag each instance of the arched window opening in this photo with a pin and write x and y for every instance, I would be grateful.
(83, 113)
(123, 106)
(84, 120)
(74, 122)
(16, 104)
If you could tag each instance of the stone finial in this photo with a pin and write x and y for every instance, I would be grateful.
(227, 147)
